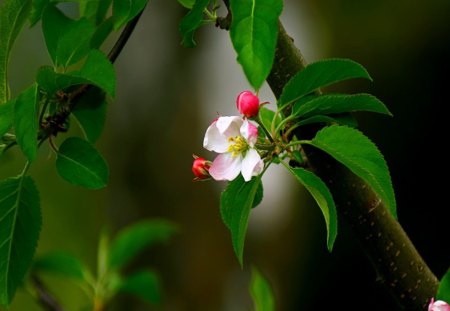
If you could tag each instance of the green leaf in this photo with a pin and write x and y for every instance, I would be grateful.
(20, 224)
(345, 119)
(94, 10)
(188, 4)
(126, 10)
(135, 238)
(143, 284)
(339, 103)
(259, 195)
(101, 33)
(191, 22)
(253, 32)
(236, 202)
(79, 163)
(25, 122)
(90, 112)
(37, 11)
(6, 116)
(322, 195)
(261, 292)
(444, 288)
(350, 147)
(51, 81)
(60, 263)
(13, 14)
(320, 74)
(266, 116)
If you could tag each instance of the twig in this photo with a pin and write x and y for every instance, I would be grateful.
(47, 301)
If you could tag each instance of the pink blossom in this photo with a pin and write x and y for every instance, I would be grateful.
(438, 305)
(200, 168)
(248, 104)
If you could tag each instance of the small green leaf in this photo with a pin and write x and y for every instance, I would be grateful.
(79, 163)
(188, 4)
(266, 116)
(60, 263)
(135, 238)
(20, 223)
(350, 147)
(90, 113)
(253, 32)
(261, 292)
(13, 14)
(126, 10)
(444, 288)
(236, 202)
(322, 195)
(345, 119)
(99, 71)
(25, 122)
(143, 284)
(320, 74)
(339, 103)
(191, 22)
(6, 116)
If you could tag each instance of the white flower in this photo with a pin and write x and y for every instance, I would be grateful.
(234, 138)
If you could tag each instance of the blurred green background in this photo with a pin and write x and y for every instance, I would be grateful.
(167, 96)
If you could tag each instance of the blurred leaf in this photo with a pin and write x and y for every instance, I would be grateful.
(339, 103)
(126, 10)
(101, 33)
(253, 32)
(191, 22)
(90, 112)
(20, 223)
(25, 122)
(322, 195)
(236, 202)
(94, 10)
(6, 116)
(51, 81)
(143, 284)
(37, 10)
(345, 119)
(102, 253)
(130, 241)
(79, 163)
(13, 14)
(261, 292)
(320, 74)
(60, 263)
(266, 116)
(350, 147)
(444, 288)
(188, 4)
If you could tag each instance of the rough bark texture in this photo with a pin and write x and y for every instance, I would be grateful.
(398, 264)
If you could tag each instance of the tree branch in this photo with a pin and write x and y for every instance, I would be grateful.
(45, 299)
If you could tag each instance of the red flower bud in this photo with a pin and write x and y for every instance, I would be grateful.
(200, 168)
(248, 104)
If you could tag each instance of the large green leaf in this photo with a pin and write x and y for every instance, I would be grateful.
(79, 163)
(236, 202)
(339, 103)
(142, 284)
(135, 238)
(25, 121)
(20, 224)
(13, 14)
(320, 74)
(90, 113)
(60, 263)
(261, 292)
(350, 147)
(191, 22)
(126, 10)
(322, 195)
(345, 119)
(6, 116)
(253, 32)
(444, 288)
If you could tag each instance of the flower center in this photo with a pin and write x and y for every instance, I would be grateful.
(238, 145)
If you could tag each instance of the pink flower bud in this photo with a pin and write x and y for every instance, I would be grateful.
(248, 104)
(200, 168)
(438, 305)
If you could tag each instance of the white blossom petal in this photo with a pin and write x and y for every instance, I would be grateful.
(225, 167)
(229, 126)
(250, 132)
(252, 165)
(214, 140)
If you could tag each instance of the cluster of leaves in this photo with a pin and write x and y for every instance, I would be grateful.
(75, 87)
(253, 32)
(112, 259)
